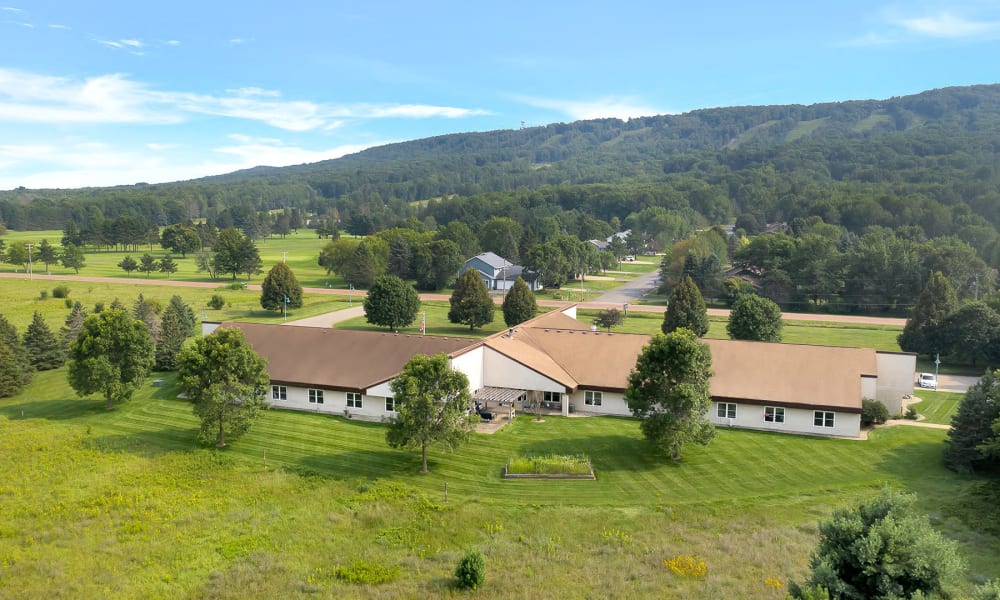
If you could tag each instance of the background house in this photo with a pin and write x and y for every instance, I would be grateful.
(499, 273)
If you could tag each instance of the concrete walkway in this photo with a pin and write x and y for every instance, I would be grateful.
(330, 318)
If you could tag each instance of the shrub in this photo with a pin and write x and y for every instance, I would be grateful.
(60, 291)
(363, 572)
(238, 285)
(686, 566)
(911, 413)
(873, 412)
(43, 295)
(471, 570)
(216, 302)
(69, 303)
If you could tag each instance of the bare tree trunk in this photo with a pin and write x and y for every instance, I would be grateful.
(222, 436)
(423, 452)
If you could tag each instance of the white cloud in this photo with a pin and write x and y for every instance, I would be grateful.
(30, 98)
(272, 153)
(601, 108)
(11, 9)
(132, 43)
(156, 147)
(947, 25)
(237, 41)
(57, 26)
(173, 42)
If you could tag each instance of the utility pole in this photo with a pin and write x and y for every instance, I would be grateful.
(29, 246)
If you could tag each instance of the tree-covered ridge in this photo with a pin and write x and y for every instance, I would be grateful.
(935, 146)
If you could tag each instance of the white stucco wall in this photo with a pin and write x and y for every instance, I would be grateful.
(334, 403)
(896, 372)
(869, 387)
(500, 371)
(613, 403)
(797, 420)
(208, 327)
(570, 311)
(471, 363)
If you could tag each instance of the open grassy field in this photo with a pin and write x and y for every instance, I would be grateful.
(880, 337)
(300, 250)
(19, 299)
(124, 503)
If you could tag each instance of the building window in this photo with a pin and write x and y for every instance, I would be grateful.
(390, 404)
(353, 400)
(727, 410)
(279, 392)
(593, 398)
(551, 397)
(823, 418)
(774, 414)
(315, 396)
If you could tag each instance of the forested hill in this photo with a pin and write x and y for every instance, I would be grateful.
(773, 161)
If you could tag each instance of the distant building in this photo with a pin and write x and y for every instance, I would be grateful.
(601, 245)
(499, 273)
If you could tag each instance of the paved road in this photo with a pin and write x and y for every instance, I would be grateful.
(632, 290)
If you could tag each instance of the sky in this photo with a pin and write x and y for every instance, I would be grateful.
(114, 93)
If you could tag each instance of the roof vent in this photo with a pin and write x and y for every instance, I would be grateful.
(510, 333)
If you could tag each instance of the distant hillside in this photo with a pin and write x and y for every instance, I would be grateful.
(940, 144)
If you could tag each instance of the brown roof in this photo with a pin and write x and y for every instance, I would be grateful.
(339, 359)
(785, 374)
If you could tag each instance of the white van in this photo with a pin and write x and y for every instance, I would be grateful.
(927, 380)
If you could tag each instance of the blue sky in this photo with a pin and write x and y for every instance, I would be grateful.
(108, 93)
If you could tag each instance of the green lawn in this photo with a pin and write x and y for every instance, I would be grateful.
(123, 503)
(937, 407)
(300, 251)
(20, 298)
(437, 322)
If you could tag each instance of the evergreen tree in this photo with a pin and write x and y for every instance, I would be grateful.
(12, 378)
(168, 265)
(128, 265)
(391, 302)
(148, 264)
(184, 314)
(280, 283)
(686, 308)
(72, 258)
(936, 301)
(399, 257)
(519, 304)
(470, 302)
(148, 312)
(45, 351)
(971, 425)
(20, 370)
(74, 323)
(176, 326)
(47, 254)
(361, 270)
(754, 318)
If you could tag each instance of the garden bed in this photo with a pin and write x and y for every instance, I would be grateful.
(549, 467)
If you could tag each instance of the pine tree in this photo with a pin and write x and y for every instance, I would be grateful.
(11, 374)
(45, 351)
(147, 311)
(519, 304)
(936, 301)
(971, 424)
(361, 269)
(73, 325)
(20, 367)
(171, 341)
(470, 302)
(280, 283)
(184, 313)
(686, 308)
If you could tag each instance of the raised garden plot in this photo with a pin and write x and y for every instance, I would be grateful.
(549, 467)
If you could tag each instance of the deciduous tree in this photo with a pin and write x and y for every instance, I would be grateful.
(686, 308)
(470, 302)
(608, 318)
(519, 305)
(754, 318)
(279, 284)
(668, 391)
(391, 302)
(226, 380)
(111, 356)
(432, 402)
(44, 349)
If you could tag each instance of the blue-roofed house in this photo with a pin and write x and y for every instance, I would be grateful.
(499, 273)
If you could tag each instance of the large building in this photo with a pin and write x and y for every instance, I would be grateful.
(556, 361)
